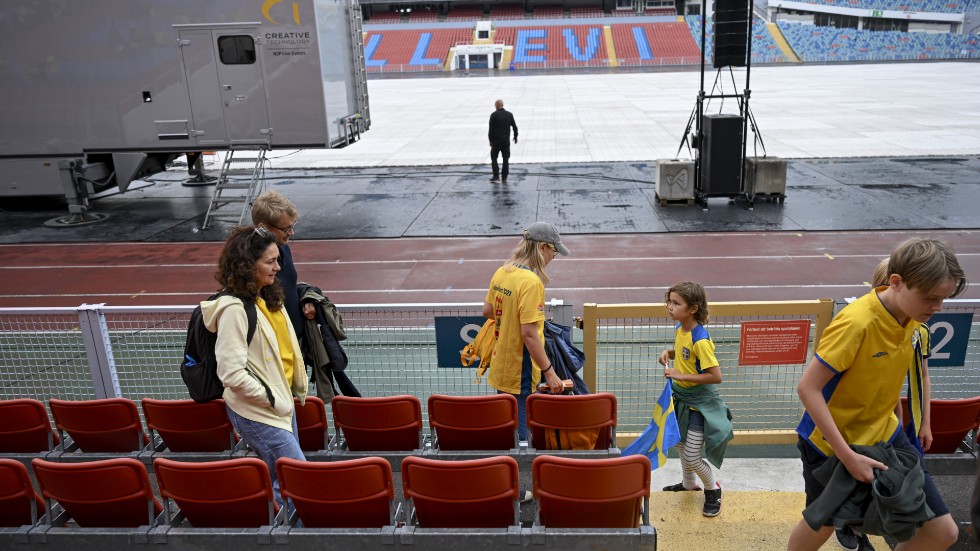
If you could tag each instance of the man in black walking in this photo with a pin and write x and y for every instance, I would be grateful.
(501, 122)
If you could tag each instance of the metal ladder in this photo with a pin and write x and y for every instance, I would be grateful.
(242, 179)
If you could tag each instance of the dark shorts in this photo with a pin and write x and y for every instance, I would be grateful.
(812, 459)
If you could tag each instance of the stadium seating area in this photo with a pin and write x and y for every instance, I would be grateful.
(656, 43)
(813, 43)
(930, 6)
(100, 476)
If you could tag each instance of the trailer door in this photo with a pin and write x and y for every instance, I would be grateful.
(226, 87)
(242, 84)
(207, 112)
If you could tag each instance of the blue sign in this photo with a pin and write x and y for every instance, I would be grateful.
(948, 338)
(453, 333)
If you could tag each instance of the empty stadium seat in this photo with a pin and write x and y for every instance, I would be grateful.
(392, 423)
(107, 425)
(311, 421)
(112, 493)
(592, 493)
(232, 493)
(356, 493)
(189, 426)
(951, 421)
(591, 412)
(24, 427)
(475, 493)
(19, 503)
(473, 422)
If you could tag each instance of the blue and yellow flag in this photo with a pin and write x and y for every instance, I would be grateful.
(661, 435)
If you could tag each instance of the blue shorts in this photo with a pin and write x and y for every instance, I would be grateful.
(812, 459)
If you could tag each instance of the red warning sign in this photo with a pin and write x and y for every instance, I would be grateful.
(773, 342)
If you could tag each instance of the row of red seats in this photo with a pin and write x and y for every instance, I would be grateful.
(394, 423)
(237, 493)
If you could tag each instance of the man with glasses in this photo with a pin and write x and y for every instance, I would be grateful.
(277, 214)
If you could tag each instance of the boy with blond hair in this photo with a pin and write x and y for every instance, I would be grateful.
(850, 386)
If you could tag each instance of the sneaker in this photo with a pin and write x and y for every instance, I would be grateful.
(504, 181)
(864, 544)
(846, 539)
(712, 502)
(679, 487)
(526, 496)
(494, 180)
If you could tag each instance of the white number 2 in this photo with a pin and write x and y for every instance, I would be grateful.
(937, 351)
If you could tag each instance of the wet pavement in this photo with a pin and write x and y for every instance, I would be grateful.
(582, 198)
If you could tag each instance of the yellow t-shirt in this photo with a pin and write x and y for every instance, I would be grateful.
(869, 353)
(694, 352)
(517, 297)
(285, 345)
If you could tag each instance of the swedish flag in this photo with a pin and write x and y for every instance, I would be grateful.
(661, 435)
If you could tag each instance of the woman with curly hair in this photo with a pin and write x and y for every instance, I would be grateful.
(262, 376)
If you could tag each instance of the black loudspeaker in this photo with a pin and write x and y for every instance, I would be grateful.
(731, 32)
(721, 155)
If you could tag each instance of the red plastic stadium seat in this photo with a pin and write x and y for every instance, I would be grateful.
(392, 423)
(107, 425)
(474, 422)
(233, 493)
(476, 493)
(339, 494)
(572, 413)
(19, 503)
(24, 427)
(189, 426)
(311, 420)
(592, 493)
(113, 493)
(951, 420)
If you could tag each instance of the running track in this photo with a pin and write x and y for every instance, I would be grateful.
(606, 269)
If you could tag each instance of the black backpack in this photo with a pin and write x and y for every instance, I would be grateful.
(199, 368)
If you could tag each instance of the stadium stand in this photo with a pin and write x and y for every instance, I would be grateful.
(311, 422)
(19, 503)
(764, 48)
(507, 12)
(412, 50)
(474, 493)
(553, 46)
(812, 43)
(473, 422)
(659, 11)
(422, 16)
(467, 13)
(233, 493)
(919, 6)
(586, 413)
(586, 12)
(110, 493)
(109, 425)
(385, 17)
(952, 422)
(390, 423)
(25, 428)
(188, 426)
(654, 44)
(361, 492)
(548, 12)
(592, 493)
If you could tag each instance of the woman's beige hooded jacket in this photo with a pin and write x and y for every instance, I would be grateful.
(255, 386)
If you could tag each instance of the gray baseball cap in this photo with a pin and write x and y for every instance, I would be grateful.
(546, 233)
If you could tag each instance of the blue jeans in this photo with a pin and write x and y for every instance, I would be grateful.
(521, 415)
(269, 443)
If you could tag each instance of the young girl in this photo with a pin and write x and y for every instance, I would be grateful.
(702, 417)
